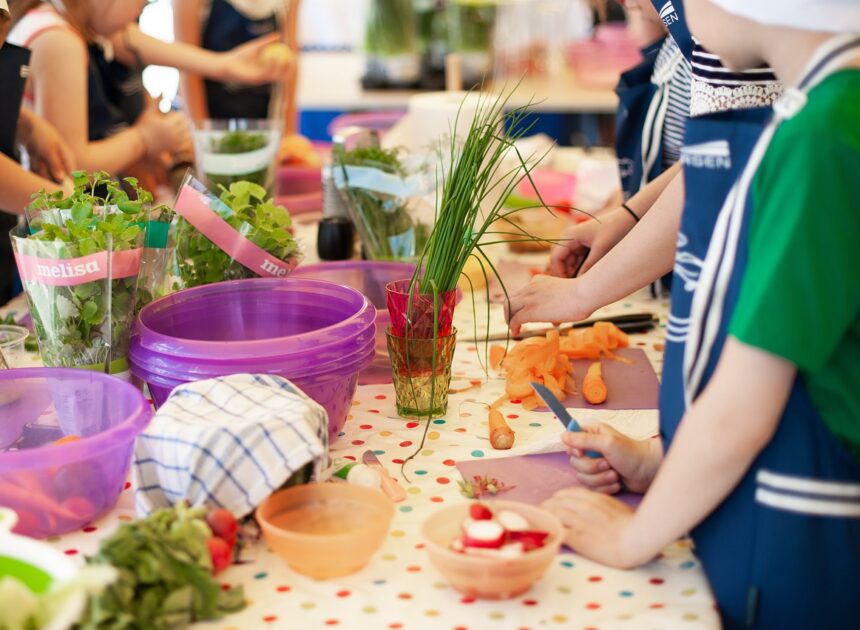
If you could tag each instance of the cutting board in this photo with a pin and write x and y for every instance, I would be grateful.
(633, 386)
(535, 478)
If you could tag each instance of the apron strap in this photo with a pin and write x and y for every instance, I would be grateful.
(652, 131)
(709, 297)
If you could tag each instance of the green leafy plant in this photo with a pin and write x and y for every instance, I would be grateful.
(246, 208)
(390, 28)
(30, 343)
(165, 575)
(471, 213)
(386, 226)
(85, 325)
(235, 142)
(471, 24)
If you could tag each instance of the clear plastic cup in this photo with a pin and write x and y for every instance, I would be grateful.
(12, 340)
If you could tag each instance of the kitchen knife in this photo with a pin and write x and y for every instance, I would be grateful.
(558, 409)
(388, 484)
(630, 323)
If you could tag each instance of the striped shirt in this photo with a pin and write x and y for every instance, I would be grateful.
(678, 110)
(715, 88)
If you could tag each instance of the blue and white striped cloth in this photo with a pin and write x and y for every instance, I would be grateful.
(228, 442)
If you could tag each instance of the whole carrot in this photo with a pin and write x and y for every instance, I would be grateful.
(501, 435)
(593, 387)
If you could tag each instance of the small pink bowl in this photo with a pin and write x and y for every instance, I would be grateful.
(483, 577)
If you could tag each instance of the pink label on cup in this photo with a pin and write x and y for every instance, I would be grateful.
(74, 271)
(193, 205)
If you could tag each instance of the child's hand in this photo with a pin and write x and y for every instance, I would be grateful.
(165, 133)
(246, 64)
(545, 299)
(625, 462)
(50, 156)
(586, 243)
(598, 527)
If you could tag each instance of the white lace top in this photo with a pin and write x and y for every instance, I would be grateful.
(715, 88)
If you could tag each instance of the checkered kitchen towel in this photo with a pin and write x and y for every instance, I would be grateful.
(228, 442)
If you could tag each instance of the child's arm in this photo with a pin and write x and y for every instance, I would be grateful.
(58, 71)
(721, 434)
(644, 255)
(240, 65)
(50, 156)
(186, 28)
(17, 185)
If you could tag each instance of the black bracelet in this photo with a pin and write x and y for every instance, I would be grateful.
(632, 214)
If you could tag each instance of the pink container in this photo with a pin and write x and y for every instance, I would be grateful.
(299, 189)
(58, 488)
(380, 121)
(599, 62)
(555, 188)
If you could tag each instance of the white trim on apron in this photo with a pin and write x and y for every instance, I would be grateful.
(652, 131)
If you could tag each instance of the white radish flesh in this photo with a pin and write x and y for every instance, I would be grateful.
(512, 521)
(484, 534)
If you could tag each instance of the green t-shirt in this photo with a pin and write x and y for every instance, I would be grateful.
(800, 296)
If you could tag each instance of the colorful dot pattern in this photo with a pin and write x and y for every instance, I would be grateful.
(399, 588)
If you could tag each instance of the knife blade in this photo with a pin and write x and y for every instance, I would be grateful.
(388, 484)
(558, 409)
(631, 323)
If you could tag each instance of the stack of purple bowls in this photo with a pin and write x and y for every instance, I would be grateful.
(317, 334)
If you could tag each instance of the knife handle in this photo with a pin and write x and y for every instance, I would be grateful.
(389, 486)
(574, 427)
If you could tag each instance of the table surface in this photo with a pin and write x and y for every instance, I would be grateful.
(331, 81)
(399, 588)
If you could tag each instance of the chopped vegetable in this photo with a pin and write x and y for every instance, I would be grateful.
(505, 534)
(501, 435)
(485, 534)
(547, 359)
(593, 387)
(480, 486)
(480, 512)
(165, 574)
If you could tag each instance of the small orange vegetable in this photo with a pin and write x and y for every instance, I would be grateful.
(66, 439)
(593, 387)
(501, 435)
(497, 353)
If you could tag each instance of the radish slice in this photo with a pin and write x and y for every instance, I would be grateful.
(512, 521)
(484, 534)
(512, 550)
(530, 540)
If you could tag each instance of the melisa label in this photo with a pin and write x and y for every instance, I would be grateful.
(74, 271)
(193, 205)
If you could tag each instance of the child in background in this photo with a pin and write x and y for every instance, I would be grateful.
(764, 463)
(85, 79)
(220, 25)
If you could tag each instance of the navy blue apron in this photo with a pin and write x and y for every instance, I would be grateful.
(636, 92)
(225, 29)
(783, 549)
(672, 14)
(115, 94)
(13, 75)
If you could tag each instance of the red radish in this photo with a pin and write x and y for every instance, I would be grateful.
(512, 521)
(220, 553)
(529, 539)
(484, 534)
(223, 524)
(480, 512)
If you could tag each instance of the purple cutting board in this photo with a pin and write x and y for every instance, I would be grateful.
(633, 386)
(535, 478)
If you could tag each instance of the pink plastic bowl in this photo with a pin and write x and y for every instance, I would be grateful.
(300, 189)
(58, 488)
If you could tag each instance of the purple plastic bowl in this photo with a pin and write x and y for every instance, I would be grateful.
(300, 189)
(59, 488)
(317, 334)
(259, 318)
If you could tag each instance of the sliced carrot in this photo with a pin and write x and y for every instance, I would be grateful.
(593, 387)
(497, 353)
(66, 439)
(519, 389)
(501, 435)
(570, 385)
(530, 403)
(501, 400)
(553, 386)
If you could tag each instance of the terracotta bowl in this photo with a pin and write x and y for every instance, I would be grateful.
(325, 530)
(490, 578)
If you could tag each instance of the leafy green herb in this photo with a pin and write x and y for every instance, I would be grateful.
(165, 575)
(385, 223)
(244, 206)
(391, 28)
(234, 142)
(86, 324)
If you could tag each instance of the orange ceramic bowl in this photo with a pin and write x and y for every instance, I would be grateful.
(325, 530)
(490, 578)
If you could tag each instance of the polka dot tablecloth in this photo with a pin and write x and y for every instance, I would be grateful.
(399, 588)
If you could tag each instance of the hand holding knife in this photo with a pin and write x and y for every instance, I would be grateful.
(558, 409)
